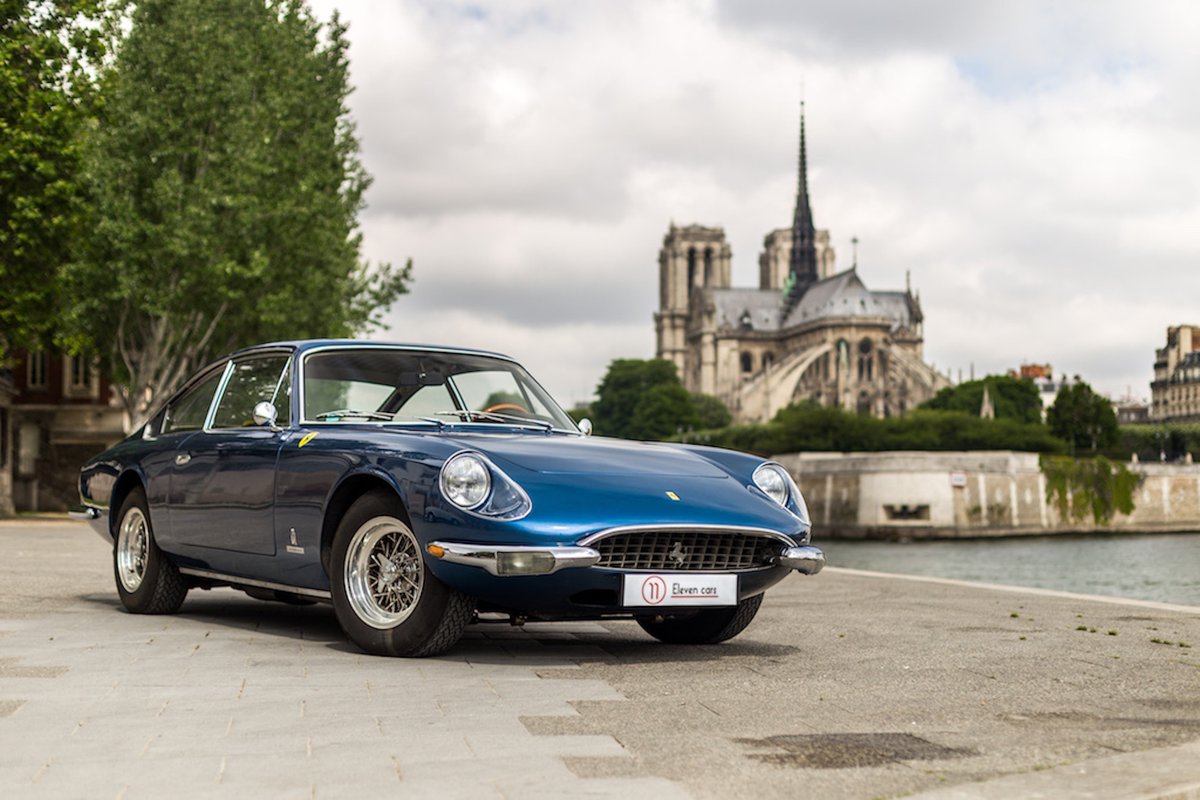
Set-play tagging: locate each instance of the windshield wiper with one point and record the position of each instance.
(471, 416)
(546, 426)
(351, 412)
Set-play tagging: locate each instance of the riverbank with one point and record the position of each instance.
(1154, 567)
(938, 495)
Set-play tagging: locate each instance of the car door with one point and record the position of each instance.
(182, 417)
(223, 478)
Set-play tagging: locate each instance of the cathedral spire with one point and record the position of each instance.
(803, 265)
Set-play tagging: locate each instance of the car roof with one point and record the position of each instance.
(304, 345)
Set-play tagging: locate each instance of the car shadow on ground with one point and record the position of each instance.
(233, 609)
(613, 641)
(483, 643)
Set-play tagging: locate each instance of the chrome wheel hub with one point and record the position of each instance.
(384, 573)
(133, 547)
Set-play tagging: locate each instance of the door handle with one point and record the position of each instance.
(183, 458)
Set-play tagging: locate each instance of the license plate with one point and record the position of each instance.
(673, 589)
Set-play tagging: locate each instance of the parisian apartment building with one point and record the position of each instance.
(1175, 392)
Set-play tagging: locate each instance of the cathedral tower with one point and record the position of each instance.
(693, 258)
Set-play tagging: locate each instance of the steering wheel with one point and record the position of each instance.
(506, 407)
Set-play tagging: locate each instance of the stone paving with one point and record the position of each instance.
(110, 704)
(848, 685)
(239, 695)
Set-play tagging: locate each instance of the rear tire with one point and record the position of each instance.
(709, 626)
(385, 598)
(147, 581)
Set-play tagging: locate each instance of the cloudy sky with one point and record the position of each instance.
(1032, 164)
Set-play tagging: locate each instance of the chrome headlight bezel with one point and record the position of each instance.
(773, 480)
(776, 483)
(465, 481)
(499, 498)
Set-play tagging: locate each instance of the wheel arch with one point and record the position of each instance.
(351, 488)
(126, 482)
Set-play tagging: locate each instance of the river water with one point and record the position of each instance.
(1161, 567)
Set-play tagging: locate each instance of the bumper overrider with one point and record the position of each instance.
(513, 560)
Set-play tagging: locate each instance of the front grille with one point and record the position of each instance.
(686, 550)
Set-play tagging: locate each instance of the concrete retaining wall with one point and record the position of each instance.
(901, 495)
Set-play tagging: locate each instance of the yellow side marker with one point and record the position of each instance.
(672, 495)
(435, 550)
(308, 438)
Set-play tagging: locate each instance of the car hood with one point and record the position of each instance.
(564, 455)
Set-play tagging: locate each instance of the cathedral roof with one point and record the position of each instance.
(845, 295)
(840, 296)
(748, 309)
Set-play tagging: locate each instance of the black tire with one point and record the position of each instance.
(709, 626)
(147, 581)
(413, 614)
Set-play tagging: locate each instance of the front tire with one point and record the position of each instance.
(147, 581)
(385, 598)
(709, 626)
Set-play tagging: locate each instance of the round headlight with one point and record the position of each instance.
(466, 480)
(773, 481)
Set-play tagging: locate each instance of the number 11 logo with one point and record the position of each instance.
(654, 590)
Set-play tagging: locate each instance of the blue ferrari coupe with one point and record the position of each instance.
(419, 489)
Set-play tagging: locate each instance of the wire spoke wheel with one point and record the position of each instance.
(384, 573)
(133, 545)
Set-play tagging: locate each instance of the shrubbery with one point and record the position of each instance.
(1150, 442)
(808, 427)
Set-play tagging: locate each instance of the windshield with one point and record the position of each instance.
(407, 386)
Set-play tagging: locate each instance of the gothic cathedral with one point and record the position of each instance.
(808, 332)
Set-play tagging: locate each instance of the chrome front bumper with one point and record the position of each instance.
(505, 560)
(806, 560)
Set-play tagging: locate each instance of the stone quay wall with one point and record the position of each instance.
(913, 495)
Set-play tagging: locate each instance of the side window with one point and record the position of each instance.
(253, 381)
(189, 411)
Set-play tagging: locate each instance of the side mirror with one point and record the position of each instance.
(265, 414)
(585, 426)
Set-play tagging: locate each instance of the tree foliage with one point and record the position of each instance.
(710, 411)
(1012, 398)
(1082, 418)
(48, 55)
(226, 183)
(811, 428)
(642, 399)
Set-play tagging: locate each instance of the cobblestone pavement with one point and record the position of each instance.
(847, 685)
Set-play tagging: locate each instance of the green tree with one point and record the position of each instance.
(642, 399)
(48, 55)
(1082, 418)
(1012, 398)
(663, 411)
(226, 183)
(710, 411)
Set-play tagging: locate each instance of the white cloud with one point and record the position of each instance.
(1031, 164)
